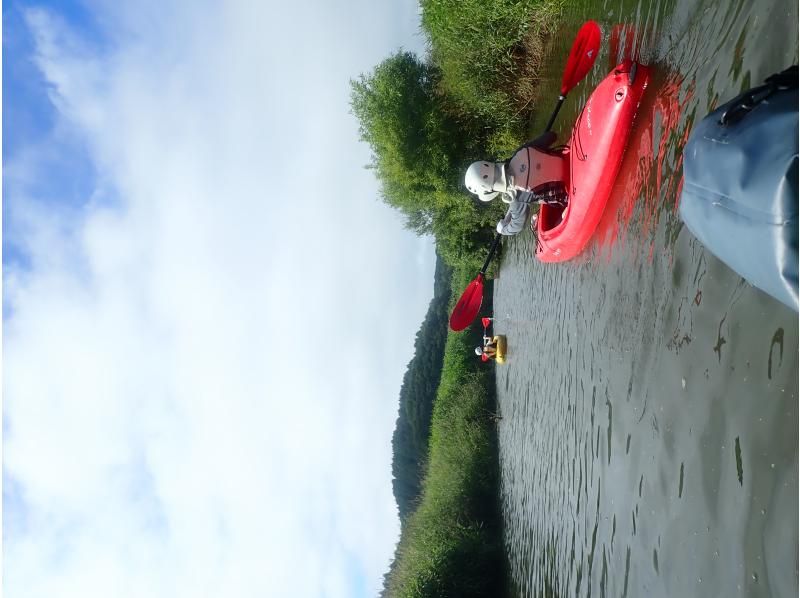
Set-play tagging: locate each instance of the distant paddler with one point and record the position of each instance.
(494, 347)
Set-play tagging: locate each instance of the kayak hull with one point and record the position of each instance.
(595, 152)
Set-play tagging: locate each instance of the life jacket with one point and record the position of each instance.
(531, 169)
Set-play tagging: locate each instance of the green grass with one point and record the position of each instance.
(452, 544)
(490, 53)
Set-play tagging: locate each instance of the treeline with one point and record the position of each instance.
(420, 382)
(421, 148)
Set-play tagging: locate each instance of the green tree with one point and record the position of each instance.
(416, 145)
(420, 150)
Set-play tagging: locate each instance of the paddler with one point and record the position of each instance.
(489, 351)
(532, 175)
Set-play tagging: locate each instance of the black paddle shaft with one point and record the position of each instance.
(492, 249)
(555, 113)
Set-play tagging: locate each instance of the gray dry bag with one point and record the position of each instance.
(740, 185)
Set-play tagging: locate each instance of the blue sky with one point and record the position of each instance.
(207, 309)
(29, 118)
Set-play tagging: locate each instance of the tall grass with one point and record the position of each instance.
(490, 53)
(452, 544)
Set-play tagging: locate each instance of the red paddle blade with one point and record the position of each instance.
(486, 322)
(468, 306)
(582, 56)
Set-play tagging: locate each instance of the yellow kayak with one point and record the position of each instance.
(500, 342)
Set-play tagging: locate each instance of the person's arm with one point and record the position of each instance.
(515, 218)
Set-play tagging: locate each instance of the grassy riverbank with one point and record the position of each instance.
(426, 119)
(490, 53)
(452, 543)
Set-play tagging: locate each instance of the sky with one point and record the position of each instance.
(207, 310)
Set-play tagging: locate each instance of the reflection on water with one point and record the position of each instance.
(649, 404)
(655, 156)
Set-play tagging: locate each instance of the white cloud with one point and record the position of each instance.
(202, 362)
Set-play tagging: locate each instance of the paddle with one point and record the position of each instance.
(581, 58)
(470, 303)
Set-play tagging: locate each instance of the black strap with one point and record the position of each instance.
(786, 79)
(742, 105)
(543, 142)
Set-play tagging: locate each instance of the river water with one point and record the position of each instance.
(649, 431)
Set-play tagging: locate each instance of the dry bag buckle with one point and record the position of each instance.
(744, 105)
(784, 80)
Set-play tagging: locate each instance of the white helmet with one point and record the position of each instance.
(482, 180)
(478, 351)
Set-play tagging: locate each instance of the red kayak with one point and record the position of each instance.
(595, 154)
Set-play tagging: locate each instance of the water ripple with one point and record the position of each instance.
(616, 345)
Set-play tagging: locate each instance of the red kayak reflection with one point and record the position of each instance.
(649, 179)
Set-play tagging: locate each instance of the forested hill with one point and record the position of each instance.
(421, 380)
